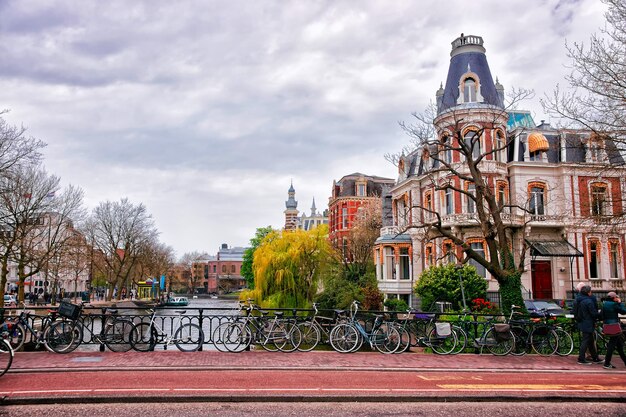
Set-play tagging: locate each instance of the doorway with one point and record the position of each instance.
(541, 275)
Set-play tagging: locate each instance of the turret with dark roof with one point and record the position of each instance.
(469, 78)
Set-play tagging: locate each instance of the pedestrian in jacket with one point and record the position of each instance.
(586, 316)
(611, 307)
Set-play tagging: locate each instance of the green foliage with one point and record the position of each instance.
(342, 287)
(394, 304)
(247, 270)
(441, 283)
(287, 268)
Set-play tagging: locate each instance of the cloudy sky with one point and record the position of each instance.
(206, 110)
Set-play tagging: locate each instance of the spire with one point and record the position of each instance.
(313, 208)
(291, 202)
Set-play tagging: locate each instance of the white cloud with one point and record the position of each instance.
(205, 111)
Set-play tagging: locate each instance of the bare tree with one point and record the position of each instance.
(186, 263)
(595, 98)
(36, 219)
(121, 231)
(16, 148)
(456, 162)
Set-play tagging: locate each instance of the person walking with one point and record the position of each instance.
(586, 316)
(611, 307)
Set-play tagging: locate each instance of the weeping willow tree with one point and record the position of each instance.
(288, 266)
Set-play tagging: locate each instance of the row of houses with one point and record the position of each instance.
(559, 193)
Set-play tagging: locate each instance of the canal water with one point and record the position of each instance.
(215, 311)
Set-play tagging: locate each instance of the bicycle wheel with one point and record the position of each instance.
(117, 335)
(219, 337)
(521, 341)
(311, 336)
(544, 340)
(405, 340)
(565, 345)
(461, 340)
(6, 356)
(189, 337)
(237, 337)
(270, 332)
(292, 338)
(143, 337)
(63, 336)
(441, 345)
(499, 345)
(344, 338)
(15, 334)
(386, 339)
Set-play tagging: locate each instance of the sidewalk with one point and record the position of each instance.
(320, 360)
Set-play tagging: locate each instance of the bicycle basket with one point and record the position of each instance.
(69, 310)
(443, 329)
(503, 332)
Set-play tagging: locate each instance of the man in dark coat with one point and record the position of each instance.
(586, 316)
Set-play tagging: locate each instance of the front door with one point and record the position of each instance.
(541, 273)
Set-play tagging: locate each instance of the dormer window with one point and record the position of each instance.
(361, 187)
(469, 90)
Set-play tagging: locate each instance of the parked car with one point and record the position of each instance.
(537, 308)
(10, 300)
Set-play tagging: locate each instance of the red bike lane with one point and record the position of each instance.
(248, 376)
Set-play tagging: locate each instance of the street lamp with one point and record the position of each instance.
(459, 269)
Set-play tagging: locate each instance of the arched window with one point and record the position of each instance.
(472, 141)
(428, 205)
(478, 246)
(502, 193)
(449, 200)
(469, 90)
(429, 255)
(537, 198)
(448, 252)
(498, 145)
(446, 148)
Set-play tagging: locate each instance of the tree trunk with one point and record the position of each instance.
(510, 291)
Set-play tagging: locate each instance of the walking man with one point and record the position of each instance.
(586, 316)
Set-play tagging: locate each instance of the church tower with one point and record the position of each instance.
(291, 210)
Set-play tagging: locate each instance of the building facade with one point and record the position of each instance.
(308, 222)
(557, 192)
(220, 274)
(348, 197)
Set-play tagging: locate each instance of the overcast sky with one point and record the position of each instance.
(206, 110)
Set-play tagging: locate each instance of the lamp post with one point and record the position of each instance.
(459, 269)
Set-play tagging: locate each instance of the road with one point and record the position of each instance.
(304, 409)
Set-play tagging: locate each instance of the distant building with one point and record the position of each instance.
(349, 194)
(313, 220)
(291, 210)
(221, 273)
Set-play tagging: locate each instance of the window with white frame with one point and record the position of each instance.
(472, 141)
(405, 262)
(479, 248)
(390, 263)
(447, 149)
(449, 201)
(499, 144)
(344, 218)
(469, 90)
(537, 200)
(471, 191)
(598, 200)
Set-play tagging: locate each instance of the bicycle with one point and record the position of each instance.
(6, 354)
(350, 336)
(273, 334)
(17, 328)
(144, 336)
(496, 337)
(532, 334)
(114, 332)
(315, 328)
